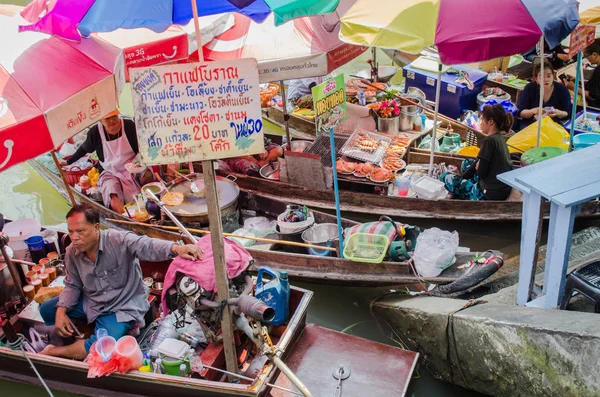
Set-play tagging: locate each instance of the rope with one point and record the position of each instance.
(18, 345)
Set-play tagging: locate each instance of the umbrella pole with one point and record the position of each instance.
(574, 108)
(580, 72)
(216, 236)
(286, 116)
(64, 179)
(541, 104)
(336, 192)
(435, 117)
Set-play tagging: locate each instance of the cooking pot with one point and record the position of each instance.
(323, 235)
(194, 209)
(409, 116)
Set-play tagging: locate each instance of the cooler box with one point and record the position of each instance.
(454, 97)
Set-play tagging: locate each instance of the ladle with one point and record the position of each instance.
(193, 187)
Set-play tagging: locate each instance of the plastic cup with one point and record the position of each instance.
(45, 279)
(128, 347)
(105, 347)
(402, 186)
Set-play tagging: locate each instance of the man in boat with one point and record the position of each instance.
(115, 142)
(104, 280)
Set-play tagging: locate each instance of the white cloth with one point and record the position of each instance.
(300, 87)
(115, 179)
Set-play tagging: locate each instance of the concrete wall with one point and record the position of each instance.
(499, 349)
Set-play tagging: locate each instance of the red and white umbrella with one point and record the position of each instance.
(51, 89)
(303, 47)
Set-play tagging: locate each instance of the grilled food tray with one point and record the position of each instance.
(352, 149)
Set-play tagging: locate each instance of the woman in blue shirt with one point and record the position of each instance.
(556, 96)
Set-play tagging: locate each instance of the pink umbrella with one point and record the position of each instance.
(51, 89)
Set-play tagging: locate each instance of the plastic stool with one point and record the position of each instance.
(585, 280)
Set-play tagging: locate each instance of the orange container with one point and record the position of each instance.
(51, 272)
(37, 284)
(44, 262)
(38, 269)
(52, 256)
(30, 276)
(29, 291)
(45, 279)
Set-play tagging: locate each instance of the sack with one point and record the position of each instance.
(435, 251)
(552, 134)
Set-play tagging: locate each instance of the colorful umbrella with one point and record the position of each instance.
(464, 31)
(590, 15)
(69, 18)
(304, 47)
(42, 101)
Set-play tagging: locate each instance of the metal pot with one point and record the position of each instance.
(409, 116)
(300, 146)
(387, 125)
(324, 235)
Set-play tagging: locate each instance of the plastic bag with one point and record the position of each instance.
(243, 242)
(435, 251)
(98, 367)
(260, 226)
(552, 134)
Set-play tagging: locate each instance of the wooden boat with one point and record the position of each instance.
(310, 351)
(331, 270)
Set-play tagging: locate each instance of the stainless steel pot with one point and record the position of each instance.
(409, 116)
(387, 125)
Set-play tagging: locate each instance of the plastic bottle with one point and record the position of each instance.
(275, 293)
(158, 366)
(362, 100)
(182, 370)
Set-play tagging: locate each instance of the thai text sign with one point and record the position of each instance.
(197, 111)
(329, 99)
(581, 37)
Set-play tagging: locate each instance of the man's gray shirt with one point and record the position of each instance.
(113, 284)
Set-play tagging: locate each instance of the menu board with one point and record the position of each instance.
(197, 111)
(329, 99)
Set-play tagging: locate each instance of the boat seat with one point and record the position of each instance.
(586, 281)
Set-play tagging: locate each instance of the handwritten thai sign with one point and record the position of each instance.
(197, 111)
(329, 99)
(581, 37)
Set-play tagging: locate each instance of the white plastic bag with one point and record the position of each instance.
(243, 242)
(435, 251)
(260, 226)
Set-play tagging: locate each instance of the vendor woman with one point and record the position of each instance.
(115, 143)
(251, 165)
(556, 96)
(479, 180)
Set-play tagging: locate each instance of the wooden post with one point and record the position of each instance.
(64, 179)
(216, 237)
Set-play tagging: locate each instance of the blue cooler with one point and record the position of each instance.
(454, 97)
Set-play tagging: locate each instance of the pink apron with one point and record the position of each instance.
(115, 179)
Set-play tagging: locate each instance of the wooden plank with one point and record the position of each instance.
(557, 258)
(578, 196)
(530, 230)
(220, 263)
(573, 170)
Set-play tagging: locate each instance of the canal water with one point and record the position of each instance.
(25, 194)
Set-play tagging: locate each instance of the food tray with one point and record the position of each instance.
(352, 150)
(579, 128)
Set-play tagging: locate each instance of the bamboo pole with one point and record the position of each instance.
(64, 179)
(200, 231)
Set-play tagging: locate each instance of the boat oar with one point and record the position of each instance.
(199, 231)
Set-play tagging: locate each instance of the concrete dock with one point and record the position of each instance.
(495, 347)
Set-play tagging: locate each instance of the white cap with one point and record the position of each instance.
(182, 367)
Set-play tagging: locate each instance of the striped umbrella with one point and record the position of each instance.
(72, 19)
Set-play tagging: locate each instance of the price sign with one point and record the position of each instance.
(581, 37)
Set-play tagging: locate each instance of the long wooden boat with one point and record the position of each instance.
(310, 351)
(330, 270)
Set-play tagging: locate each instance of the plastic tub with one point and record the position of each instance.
(366, 247)
(324, 235)
(292, 227)
(295, 236)
(128, 347)
(428, 188)
(582, 141)
(18, 231)
(172, 365)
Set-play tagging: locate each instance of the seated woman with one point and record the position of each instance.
(250, 165)
(478, 181)
(592, 87)
(556, 95)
